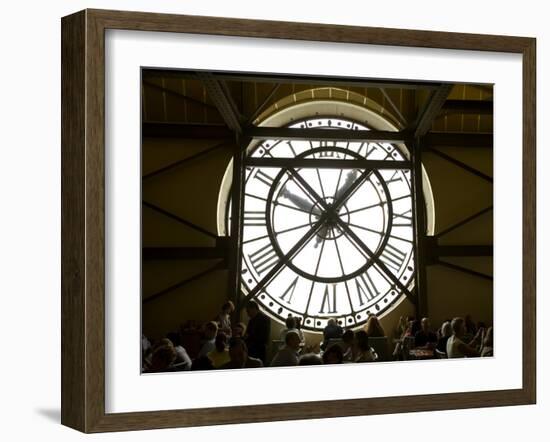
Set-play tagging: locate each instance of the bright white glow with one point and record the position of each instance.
(338, 273)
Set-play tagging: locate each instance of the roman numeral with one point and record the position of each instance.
(254, 218)
(393, 257)
(365, 287)
(369, 148)
(331, 308)
(289, 291)
(291, 147)
(263, 259)
(393, 179)
(264, 178)
(403, 218)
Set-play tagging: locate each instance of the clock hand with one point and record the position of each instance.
(306, 205)
(301, 203)
(350, 178)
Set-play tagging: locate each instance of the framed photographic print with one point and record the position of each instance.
(271, 220)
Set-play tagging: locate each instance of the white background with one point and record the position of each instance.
(30, 221)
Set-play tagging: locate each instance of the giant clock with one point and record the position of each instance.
(327, 241)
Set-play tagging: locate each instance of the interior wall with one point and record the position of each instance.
(191, 191)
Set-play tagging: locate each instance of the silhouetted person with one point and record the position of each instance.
(288, 355)
(258, 331)
(333, 355)
(456, 347)
(238, 330)
(363, 352)
(373, 328)
(239, 357)
(162, 358)
(220, 355)
(446, 332)
(347, 345)
(224, 317)
(209, 344)
(487, 343)
(310, 359)
(425, 337)
(182, 357)
(331, 331)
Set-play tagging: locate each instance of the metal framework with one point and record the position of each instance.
(321, 163)
(291, 134)
(150, 129)
(416, 136)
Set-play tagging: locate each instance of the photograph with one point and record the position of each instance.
(293, 220)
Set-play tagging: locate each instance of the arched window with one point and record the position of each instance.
(327, 221)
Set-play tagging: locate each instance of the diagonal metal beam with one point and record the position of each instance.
(218, 266)
(464, 270)
(462, 165)
(183, 161)
(220, 95)
(178, 95)
(261, 107)
(298, 246)
(431, 110)
(179, 219)
(402, 119)
(464, 221)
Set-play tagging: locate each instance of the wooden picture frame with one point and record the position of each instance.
(83, 220)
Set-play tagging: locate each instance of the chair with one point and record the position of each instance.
(440, 354)
(380, 346)
(408, 344)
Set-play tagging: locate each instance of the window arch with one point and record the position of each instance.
(359, 261)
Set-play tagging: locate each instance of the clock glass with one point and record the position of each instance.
(331, 238)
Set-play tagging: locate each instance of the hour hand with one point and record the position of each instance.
(301, 203)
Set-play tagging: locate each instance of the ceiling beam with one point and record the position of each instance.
(476, 107)
(456, 139)
(462, 250)
(323, 163)
(318, 81)
(185, 253)
(431, 110)
(219, 93)
(285, 133)
(185, 131)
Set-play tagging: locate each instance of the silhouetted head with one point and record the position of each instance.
(238, 352)
(333, 355)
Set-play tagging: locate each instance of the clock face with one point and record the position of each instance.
(327, 242)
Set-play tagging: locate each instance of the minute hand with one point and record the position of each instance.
(343, 194)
